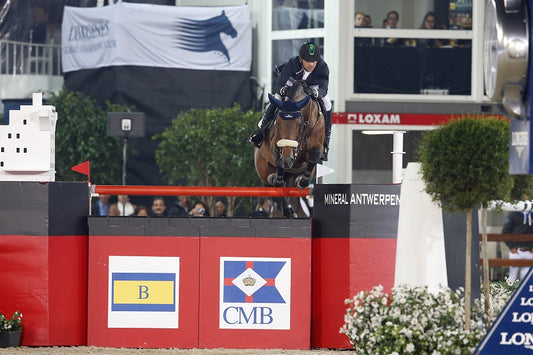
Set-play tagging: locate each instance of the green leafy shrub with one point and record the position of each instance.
(465, 163)
(208, 147)
(81, 135)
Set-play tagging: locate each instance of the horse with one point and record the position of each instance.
(204, 35)
(293, 144)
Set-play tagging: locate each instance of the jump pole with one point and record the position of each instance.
(137, 190)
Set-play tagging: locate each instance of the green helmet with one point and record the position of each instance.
(309, 52)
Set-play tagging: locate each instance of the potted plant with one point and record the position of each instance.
(10, 329)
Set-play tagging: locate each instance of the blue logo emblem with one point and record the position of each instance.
(252, 281)
(204, 35)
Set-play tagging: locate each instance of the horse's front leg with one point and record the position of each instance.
(302, 181)
(276, 179)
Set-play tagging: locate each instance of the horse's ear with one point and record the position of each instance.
(275, 101)
(303, 102)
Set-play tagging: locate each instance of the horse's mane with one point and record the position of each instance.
(296, 91)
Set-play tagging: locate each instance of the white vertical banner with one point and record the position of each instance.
(202, 38)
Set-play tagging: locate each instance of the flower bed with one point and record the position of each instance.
(415, 320)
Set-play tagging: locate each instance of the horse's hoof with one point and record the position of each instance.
(301, 182)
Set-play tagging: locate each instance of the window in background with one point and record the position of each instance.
(297, 14)
(435, 67)
(438, 63)
(372, 158)
(451, 14)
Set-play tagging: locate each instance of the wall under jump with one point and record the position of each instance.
(147, 282)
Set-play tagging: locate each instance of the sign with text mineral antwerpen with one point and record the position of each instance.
(512, 331)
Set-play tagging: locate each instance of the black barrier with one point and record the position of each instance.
(43, 251)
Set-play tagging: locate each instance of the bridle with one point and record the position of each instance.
(301, 141)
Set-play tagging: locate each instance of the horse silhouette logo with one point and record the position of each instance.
(204, 35)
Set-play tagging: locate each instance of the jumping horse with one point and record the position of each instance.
(293, 143)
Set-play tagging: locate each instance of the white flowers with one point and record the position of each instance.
(415, 320)
(10, 324)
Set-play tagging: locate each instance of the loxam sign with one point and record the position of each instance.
(392, 118)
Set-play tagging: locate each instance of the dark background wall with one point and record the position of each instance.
(161, 93)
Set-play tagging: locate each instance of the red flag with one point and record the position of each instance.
(83, 168)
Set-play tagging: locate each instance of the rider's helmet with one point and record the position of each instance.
(309, 52)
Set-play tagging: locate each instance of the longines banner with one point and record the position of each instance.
(203, 38)
(511, 332)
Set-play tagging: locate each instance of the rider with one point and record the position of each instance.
(309, 66)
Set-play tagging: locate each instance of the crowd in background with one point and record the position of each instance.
(183, 206)
(429, 22)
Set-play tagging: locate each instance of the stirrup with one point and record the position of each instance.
(324, 156)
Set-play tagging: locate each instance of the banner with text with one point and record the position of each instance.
(203, 38)
(511, 332)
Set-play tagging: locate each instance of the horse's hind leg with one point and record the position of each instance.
(302, 181)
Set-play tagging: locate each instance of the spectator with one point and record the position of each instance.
(220, 208)
(180, 208)
(159, 208)
(124, 206)
(199, 210)
(390, 22)
(38, 25)
(392, 19)
(263, 208)
(429, 23)
(141, 211)
(101, 206)
(359, 19)
(113, 210)
(519, 222)
(367, 22)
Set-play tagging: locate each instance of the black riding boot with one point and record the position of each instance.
(257, 137)
(326, 137)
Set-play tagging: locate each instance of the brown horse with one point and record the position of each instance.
(293, 144)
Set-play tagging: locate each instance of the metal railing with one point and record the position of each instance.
(23, 58)
(508, 237)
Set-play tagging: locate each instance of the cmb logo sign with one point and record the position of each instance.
(255, 293)
(512, 332)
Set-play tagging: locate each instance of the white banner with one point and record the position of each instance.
(203, 38)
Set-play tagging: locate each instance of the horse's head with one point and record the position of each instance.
(288, 127)
(204, 35)
(225, 25)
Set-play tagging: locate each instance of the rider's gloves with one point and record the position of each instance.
(311, 91)
(283, 90)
